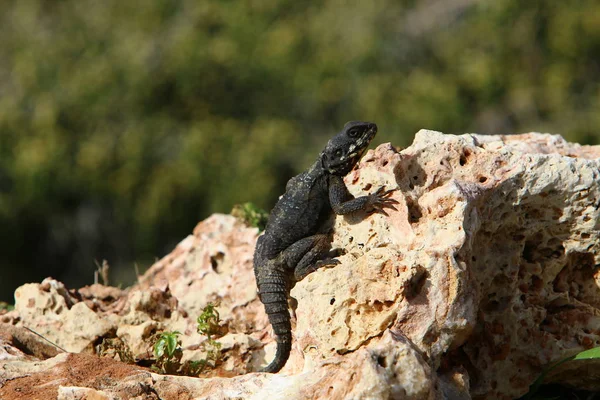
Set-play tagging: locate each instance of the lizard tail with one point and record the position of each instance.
(274, 297)
(284, 346)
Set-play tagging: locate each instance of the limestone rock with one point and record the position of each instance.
(51, 311)
(16, 339)
(75, 376)
(485, 273)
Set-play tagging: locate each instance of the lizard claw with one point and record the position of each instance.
(328, 262)
(381, 192)
(336, 252)
(381, 199)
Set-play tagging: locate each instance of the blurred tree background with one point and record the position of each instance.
(124, 123)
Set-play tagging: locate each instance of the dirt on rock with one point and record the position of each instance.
(80, 370)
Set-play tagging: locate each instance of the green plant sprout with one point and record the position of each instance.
(167, 352)
(589, 354)
(251, 215)
(208, 321)
(208, 324)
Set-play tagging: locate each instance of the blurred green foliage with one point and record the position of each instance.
(251, 215)
(124, 123)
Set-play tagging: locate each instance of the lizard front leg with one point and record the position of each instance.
(342, 202)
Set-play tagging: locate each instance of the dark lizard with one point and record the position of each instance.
(291, 246)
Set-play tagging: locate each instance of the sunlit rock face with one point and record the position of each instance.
(483, 275)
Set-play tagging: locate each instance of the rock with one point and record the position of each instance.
(81, 393)
(137, 337)
(484, 274)
(102, 298)
(18, 342)
(75, 376)
(52, 312)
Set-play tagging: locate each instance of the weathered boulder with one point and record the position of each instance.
(485, 273)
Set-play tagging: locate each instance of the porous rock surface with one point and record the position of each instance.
(484, 274)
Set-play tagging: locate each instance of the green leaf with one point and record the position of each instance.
(168, 341)
(172, 344)
(159, 349)
(584, 355)
(588, 354)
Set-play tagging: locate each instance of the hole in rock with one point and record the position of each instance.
(416, 283)
(482, 179)
(382, 361)
(491, 306)
(529, 251)
(414, 211)
(536, 282)
(332, 301)
(216, 260)
(464, 157)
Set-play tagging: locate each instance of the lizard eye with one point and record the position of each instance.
(353, 132)
(338, 153)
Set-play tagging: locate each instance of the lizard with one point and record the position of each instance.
(291, 246)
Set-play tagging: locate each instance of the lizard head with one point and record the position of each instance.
(347, 147)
